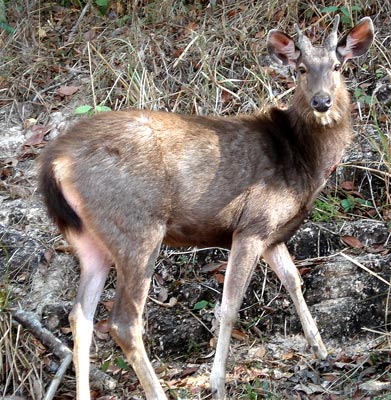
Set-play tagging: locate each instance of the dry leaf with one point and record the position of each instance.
(226, 97)
(219, 278)
(211, 267)
(352, 241)
(102, 326)
(119, 9)
(232, 13)
(347, 185)
(304, 271)
(260, 353)
(190, 27)
(288, 356)
(29, 122)
(48, 255)
(309, 388)
(239, 335)
(376, 248)
(357, 194)
(177, 52)
(19, 191)
(38, 133)
(67, 90)
(159, 279)
(63, 248)
(6, 173)
(213, 343)
(89, 35)
(38, 346)
(387, 215)
(188, 371)
(330, 377)
(260, 35)
(34, 139)
(163, 295)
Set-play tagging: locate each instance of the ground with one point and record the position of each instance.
(61, 59)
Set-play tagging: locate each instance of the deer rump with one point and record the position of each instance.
(120, 183)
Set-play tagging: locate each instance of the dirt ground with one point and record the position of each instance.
(58, 59)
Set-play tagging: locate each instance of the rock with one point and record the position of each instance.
(181, 329)
(369, 232)
(315, 240)
(375, 387)
(383, 92)
(11, 139)
(322, 239)
(19, 255)
(173, 331)
(344, 298)
(55, 316)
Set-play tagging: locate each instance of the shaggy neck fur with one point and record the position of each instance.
(323, 135)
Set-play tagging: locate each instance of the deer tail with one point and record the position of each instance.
(58, 208)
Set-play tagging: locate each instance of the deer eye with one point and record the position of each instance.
(337, 67)
(302, 69)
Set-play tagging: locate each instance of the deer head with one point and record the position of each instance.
(320, 85)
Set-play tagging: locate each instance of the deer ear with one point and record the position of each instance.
(282, 48)
(357, 41)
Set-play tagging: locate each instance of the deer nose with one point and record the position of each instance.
(321, 102)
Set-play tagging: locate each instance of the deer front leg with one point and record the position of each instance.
(244, 255)
(281, 263)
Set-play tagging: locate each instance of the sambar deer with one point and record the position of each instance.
(121, 183)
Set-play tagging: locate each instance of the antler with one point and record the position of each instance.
(303, 43)
(331, 41)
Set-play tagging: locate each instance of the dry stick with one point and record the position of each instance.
(78, 22)
(58, 377)
(54, 86)
(182, 55)
(29, 321)
(91, 75)
(374, 170)
(70, 39)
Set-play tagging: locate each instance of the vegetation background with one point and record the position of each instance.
(63, 58)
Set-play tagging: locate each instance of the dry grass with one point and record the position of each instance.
(22, 366)
(188, 57)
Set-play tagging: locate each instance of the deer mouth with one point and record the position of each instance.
(323, 118)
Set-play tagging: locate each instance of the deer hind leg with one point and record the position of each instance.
(281, 263)
(94, 267)
(134, 271)
(244, 255)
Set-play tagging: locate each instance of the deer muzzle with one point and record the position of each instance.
(321, 102)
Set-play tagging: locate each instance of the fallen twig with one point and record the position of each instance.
(58, 377)
(78, 22)
(28, 320)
